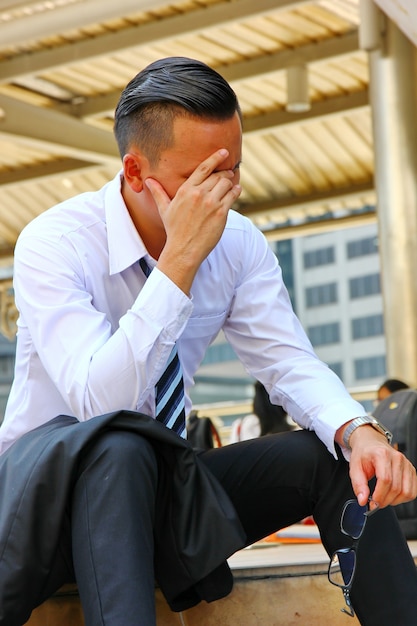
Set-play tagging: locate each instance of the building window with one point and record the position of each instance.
(362, 247)
(324, 334)
(370, 367)
(322, 256)
(363, 286)
(370, 326)
(321, 294)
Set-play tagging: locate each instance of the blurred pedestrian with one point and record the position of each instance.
(266, 418)
(389, 386)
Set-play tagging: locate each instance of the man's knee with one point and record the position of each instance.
(121, 451)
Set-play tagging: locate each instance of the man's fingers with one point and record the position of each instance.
(158, 192)
(362, 492)
(207, 167)
(225, 191)
(234, 193)
(396, 479)
(407, 490)
(359, 482)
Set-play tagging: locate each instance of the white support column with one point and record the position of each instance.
(393, 96)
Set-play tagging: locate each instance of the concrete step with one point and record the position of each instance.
(275, 585)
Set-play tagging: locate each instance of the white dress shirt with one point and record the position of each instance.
(94, 335)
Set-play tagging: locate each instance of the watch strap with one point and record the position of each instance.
(365, 420)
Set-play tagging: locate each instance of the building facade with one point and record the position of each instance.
(334, 283)
(339, 302)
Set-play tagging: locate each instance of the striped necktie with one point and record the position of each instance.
(169, 390)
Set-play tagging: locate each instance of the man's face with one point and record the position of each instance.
(194, 141)
(383, 393)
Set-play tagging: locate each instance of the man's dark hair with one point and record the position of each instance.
(164, 90)
(394, 384)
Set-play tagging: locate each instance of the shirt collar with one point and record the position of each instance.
(125, 245)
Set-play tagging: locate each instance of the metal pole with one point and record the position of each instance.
(393, 95)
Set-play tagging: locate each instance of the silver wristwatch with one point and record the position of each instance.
(363, 421)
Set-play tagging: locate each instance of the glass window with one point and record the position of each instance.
(370, 326)
(321, 294)
(322, 256)
(324, 334)
(370, 367)
(363, 286)
(362, 247)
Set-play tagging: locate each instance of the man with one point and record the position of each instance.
(97, 328)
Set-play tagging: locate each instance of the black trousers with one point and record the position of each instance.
(273, 481)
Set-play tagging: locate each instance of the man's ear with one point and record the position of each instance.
(133, 171)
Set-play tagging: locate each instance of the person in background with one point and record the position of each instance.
(389, 386)
(120, 293)
(266, 418)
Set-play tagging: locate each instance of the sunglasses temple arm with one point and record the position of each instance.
(349, 610)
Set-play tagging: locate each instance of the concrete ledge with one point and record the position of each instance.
(275, 585)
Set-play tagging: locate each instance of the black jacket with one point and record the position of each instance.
(196, 525)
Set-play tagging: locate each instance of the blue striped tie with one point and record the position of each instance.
(169, 400)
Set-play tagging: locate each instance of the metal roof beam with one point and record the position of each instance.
(303, 203)
(136, 36)
(70, 136)
(403, 14)
(302, 55)
(44, 170)
(46, 23)
(333, 106)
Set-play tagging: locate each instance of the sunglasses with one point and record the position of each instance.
(342, 564)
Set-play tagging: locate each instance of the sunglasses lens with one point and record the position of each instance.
(342, 567)
(353, 519)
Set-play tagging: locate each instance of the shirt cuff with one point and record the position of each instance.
(327, 426)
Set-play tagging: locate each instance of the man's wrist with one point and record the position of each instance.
(365, 420)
